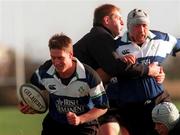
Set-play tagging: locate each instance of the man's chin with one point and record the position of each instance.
(141, 41)
(60, 70)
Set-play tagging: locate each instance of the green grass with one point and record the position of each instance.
(13, 122)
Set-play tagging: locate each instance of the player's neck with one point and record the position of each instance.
(69, 71)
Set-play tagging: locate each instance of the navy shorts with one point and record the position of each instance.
(52, 127)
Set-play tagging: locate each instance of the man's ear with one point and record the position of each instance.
(71, 54)
(106, 19)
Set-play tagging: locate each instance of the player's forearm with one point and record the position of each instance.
(91, 115)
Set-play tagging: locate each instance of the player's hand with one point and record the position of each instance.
(129, 59)
(154, 70)
(26, 109)
(161, 76)
(72, 118)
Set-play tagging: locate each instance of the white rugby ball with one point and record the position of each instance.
(31, 95)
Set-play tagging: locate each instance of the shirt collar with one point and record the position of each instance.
(80, 70)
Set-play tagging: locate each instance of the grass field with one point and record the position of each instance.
(13, 122)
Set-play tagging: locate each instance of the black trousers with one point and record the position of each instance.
(52, 127)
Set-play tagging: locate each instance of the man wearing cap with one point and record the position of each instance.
(166, 118)
(137, 96)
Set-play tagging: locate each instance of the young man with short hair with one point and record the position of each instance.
(77, 97)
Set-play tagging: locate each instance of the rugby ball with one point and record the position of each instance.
(32, 95)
